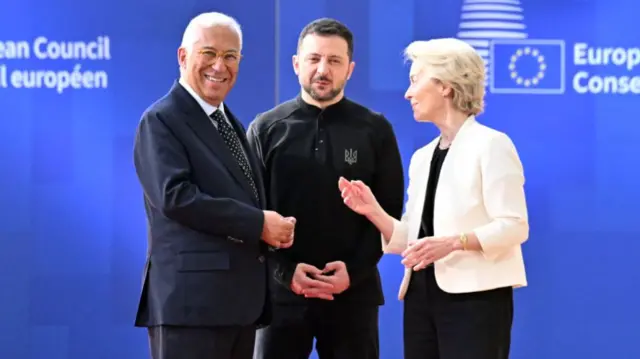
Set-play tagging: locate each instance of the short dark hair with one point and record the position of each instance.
(328, 27)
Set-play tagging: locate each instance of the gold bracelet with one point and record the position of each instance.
(463, 240)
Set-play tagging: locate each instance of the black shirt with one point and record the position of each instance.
(426, 229)
(304, 150)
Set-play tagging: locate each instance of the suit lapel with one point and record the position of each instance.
(455, 157)
(201, 124)
(456, 149)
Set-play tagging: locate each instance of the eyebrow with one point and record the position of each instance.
(330, 56)
(214, 49)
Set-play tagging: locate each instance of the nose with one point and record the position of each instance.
(322, 67)
(218, 65)
(408, 94)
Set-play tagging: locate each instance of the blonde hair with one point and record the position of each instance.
(456, 63)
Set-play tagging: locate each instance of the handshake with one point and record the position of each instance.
(277, 231)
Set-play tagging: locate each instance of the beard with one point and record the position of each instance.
(325, 95)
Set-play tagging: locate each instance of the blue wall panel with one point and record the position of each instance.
(72, 226)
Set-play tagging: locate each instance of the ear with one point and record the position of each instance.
(296, 64)
(446, 90)
(352, 65)
(182, 57)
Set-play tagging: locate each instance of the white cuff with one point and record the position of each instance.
(399, 239)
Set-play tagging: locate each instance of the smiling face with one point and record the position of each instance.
(210, 66)
(323, 66)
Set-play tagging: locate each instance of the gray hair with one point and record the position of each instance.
(207, 21)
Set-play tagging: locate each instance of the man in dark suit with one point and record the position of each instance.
(205, 280)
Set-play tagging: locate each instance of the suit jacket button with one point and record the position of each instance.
(261, 259)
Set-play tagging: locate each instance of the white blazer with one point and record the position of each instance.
(481, 189)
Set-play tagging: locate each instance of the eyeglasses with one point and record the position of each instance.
(230, 58)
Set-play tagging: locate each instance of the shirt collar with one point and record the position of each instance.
(335, 108)
(206, 107)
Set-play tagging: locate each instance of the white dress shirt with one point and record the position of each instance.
(208, 108)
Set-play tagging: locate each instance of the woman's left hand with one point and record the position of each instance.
(428, 250)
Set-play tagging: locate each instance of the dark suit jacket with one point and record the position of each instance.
(206, 261)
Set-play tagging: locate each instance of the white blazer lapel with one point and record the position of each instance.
(419, 180)
(458, 155)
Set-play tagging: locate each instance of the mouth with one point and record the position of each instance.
(215, 79)
(323, 83)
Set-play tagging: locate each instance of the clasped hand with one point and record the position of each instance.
(427, 250)
(313, 282)
(277, 230)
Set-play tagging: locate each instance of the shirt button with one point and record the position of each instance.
(261, 259)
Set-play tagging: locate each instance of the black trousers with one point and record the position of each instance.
(439, 325)
(168, 342)
(341, 332)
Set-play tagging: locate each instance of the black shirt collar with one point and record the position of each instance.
(335, 108)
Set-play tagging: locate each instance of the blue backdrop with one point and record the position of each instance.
(72, 227)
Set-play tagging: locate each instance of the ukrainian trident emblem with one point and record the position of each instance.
(350, 156)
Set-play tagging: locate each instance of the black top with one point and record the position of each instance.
(304, 151)
(426, 229)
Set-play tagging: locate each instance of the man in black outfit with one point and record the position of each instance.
(205, 281)
(327, 285)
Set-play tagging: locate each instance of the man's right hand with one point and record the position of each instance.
(303, 283)
(277, 231)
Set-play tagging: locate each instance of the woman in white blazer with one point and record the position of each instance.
(465, 218)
